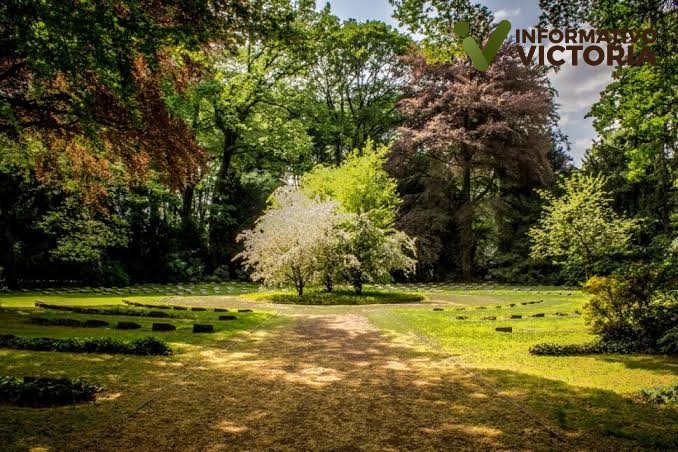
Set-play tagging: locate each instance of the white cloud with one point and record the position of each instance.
(506, 13)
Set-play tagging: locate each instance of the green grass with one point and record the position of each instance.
(584, 387)
(143, 294)
(337, 297)
(16, 321)
(587, 396)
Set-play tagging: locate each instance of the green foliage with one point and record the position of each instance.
(105, 311)
(360, 185)
(370, 253)
(660, 396)
(580, 229)
(68, 322)
(340, 297)
(39, 392)
(142, 346)
(669, 342)
(633, 308)
(436, 19)
(81, 236)
(354, 80)
(592, 348)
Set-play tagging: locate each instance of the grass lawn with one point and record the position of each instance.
(592, 392)
(432, 381)
(127, 380)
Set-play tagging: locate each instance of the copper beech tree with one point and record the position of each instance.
(465, 133)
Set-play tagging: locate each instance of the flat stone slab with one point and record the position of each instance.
(163, 327)
(198, 328)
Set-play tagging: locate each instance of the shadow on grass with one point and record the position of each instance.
(336, 383)
(657, 363)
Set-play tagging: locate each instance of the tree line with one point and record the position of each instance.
(138, 141)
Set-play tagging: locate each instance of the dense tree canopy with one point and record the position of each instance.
(465, 134)
(138, 139)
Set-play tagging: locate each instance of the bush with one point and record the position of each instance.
(634, 308)
(145, 346)
(669, 342)
(127, 326)
(591, 348)
(68, 322)
(660, 396)
(29, 391)
(107, 311)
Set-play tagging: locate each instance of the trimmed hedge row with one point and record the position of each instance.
(145, 346)
(109, 311)
(68, 322)
(38, 392)
(591, 348)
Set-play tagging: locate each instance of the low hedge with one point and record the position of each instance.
(591, 348)
(108, 311)
(68, 322)
(39, 392)
(145, 346)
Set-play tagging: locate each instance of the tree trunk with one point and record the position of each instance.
(327, 281)
(10, 272)
(466, 225)
(187, 205)
(358, 285)
(219, 197)
(298, 281)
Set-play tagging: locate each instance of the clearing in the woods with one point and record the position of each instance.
(388, 377)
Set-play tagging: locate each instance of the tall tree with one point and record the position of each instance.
(580, 228)
(354, 81)
(465, 132)
(243, 117)
(93, 70)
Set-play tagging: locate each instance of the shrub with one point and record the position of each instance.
(107, 311)
(660, 396)
(68, 322)
(146, 346)
(339, 297)
(29, 391)
(633, 307)
(591, 348)
(669, 342)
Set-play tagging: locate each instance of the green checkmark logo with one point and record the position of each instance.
(481, 58)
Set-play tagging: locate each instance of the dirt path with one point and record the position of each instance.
(319, 382)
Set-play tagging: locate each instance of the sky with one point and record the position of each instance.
(578, 86)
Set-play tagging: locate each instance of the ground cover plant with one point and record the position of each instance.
(40, 392)
(338, 297)
(144, 346)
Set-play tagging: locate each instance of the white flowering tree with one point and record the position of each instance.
(286, 243)
(371, 253)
